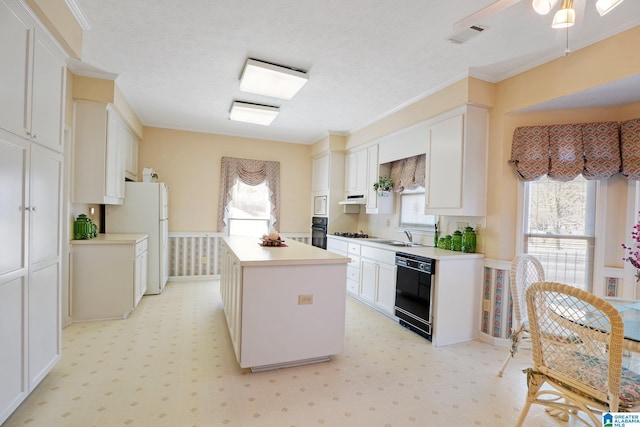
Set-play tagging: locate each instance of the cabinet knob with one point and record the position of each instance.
(32, 135)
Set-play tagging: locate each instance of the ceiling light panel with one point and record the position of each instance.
(253, 113)
(272, 80)
(605, 6)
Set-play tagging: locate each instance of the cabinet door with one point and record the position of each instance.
(444, 164)
(45, 202)
(372, 174)
(16, 34)
(350, 172)
(44, 262)
(320, 173)
(362, 170)
(386, 294)
(47, 94)
(14, 158)
(114, 166)
(13, 379)
(368, 280)
(140, 280)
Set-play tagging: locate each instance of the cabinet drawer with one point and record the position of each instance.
(336, 246)
(353, 274)
(354, 249)
(381, 255)
(141, 247)
(352, 286)
(355, 261)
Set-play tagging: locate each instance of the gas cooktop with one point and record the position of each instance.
(351, 235)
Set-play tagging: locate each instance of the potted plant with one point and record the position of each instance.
(384, 184)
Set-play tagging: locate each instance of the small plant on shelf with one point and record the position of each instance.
(384, 184)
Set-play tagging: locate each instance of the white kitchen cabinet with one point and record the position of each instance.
(352, 251)
(356, 173)
(31, 105)
(378, 278)
(100, 152)
(30, 267)
(108, 276)
(131, 148)
(456, 163)
(320, 172)
(377, 203)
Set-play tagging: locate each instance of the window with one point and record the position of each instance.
(412, 210)
(249, 210)
(559, 228)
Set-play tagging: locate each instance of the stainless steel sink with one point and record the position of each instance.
(400, 243)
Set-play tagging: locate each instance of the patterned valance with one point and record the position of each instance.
(595, 150)
(250, 172)
(408, 173)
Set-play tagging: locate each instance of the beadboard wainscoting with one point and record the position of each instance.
(197, 254)
(497, 305)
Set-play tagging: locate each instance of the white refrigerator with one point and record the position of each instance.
(145, 210)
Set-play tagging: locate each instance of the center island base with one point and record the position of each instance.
(284, 306)
(290, 364)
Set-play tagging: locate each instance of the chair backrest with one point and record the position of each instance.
(525, 270)
(577, 339)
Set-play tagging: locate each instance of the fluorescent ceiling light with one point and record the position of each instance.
(605, 6)
(253, 113)
(272, 80)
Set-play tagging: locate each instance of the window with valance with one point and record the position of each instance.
(252, 173)
(562, 152)
(408, 173)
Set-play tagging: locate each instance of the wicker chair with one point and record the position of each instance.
(577, 341)
(525, 270)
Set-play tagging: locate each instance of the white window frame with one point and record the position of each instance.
(427, 226)
(595, 203)
(268, 221)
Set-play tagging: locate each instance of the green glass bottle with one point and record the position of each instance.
(469, 240)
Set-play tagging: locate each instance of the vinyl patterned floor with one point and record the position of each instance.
(171, 364)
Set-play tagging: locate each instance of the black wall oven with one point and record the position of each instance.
(319, 231)
(414, 292)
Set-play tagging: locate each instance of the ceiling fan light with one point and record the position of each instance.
(605, 6)
(542, 7)
(566, 16)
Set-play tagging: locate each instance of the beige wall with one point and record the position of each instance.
(189, 162)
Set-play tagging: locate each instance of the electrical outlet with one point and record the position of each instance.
(305, 299)
(461, 225)
(203, 260)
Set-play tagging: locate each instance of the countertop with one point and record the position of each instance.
(250, 253)
(112, 239)
(425, 251)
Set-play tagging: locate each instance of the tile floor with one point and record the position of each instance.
(171, 364)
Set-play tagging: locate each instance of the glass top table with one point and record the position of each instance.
(630, 312)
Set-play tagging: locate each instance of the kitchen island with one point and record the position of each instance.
(285, 306)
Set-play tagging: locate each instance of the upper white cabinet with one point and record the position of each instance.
(101, 144)
(356, 173)
(320, 170)
(457, 163)
(131, 148)
(31, 103)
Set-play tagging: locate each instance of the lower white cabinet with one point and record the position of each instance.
(378, 278)
(108, 276)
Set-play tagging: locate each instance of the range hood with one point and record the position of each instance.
(354, 200)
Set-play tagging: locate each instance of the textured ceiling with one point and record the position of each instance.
(178, 62)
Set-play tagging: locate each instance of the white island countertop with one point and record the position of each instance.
(250, 253)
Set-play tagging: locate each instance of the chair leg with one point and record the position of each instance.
(505, 363)
(524, 413)
(515, 341)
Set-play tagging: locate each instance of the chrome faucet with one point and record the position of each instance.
(409, 236)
